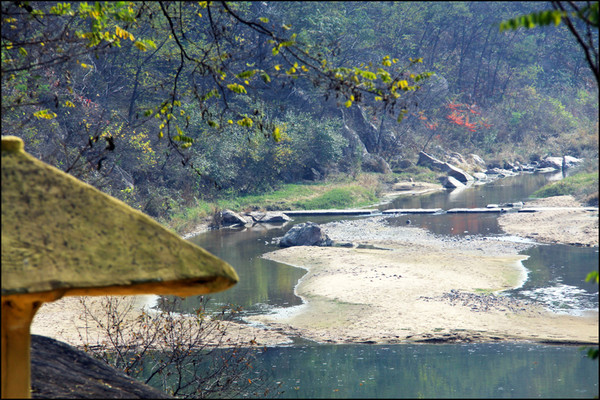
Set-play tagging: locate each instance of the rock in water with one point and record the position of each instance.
(306, 234)
(229, 218)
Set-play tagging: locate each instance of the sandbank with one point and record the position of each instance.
(417, 287)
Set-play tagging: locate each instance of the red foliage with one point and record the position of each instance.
(459, 116)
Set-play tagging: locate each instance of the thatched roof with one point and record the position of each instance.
(60, 234)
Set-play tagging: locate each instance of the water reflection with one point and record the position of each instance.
(431, 371)
(263, 283)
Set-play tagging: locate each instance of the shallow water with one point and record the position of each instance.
(553, 269)
(431, 371)
(556, 276)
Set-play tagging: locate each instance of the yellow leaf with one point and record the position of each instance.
(277, 134)
(348, 103)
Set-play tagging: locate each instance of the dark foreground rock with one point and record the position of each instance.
(59, 371)
(306, 234)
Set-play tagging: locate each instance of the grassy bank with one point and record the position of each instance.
(583, 186)
(338, 192)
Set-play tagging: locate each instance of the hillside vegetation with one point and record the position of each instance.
(180, 111)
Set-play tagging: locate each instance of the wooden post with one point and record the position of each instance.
(16, 341)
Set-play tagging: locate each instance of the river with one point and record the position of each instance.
(309, 370)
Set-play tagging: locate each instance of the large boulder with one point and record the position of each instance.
(475, 159)
(305, 234)
(230, 218)
(269, 217)
(452, 183)
(551, 162)
(375, 163)
(429, 161)
(569, 161)
(480, 176)
(458, 173)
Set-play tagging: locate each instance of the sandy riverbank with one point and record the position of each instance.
(575, 227)
(421, 288)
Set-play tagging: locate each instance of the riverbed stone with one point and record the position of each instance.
(475, 159)
(231, 218)
(268, 217)
(459, 174)
(305, 234)
(569, 161)
(551, 162)
(431, 162)
(480, 176)
(451, 182)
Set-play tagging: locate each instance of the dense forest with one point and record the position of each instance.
(163, 104)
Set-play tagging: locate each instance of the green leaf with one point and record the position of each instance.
(265, 77)
(592, 276)
(140, 46)
(237, 88)
(264, 20)
(44, 114)
(246, 74)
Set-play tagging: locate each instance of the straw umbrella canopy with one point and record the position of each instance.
(62, 237)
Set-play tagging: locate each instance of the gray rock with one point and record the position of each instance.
(306, 234)
(375, 163)
(551, 162)
(427, 160)
(480, 176)
(452, 183)
(477, 160)
(459, 174)
(500, 172)
(269, 217)
(569, 161)
(229, 218)
(433, 163)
